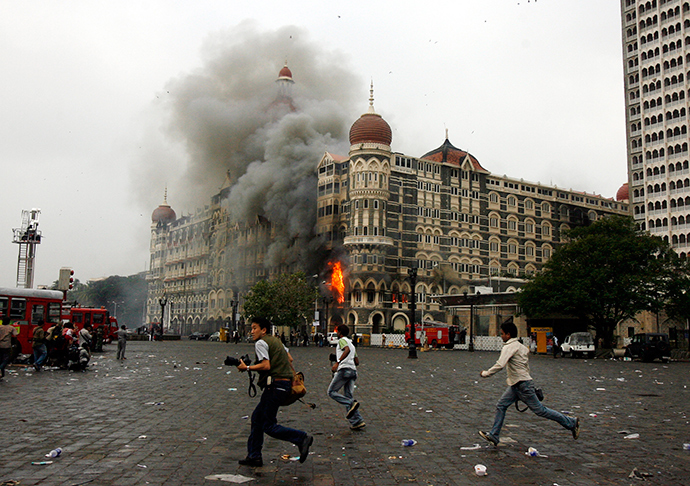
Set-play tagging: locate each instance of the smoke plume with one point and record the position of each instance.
(224, 117)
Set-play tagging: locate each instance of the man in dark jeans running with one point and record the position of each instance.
(515, 358)
(273, 362)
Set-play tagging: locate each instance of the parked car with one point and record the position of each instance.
(215, 336)
(332, 338)
(198, 336)
(649, 346)
(578, 344)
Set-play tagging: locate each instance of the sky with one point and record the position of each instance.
(100, 102)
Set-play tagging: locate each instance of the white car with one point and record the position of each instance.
(578, 343)
(332, 338)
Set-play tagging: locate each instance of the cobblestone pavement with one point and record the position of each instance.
(172, 414)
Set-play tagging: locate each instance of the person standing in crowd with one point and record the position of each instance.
(38, 344)
(556, 346)
(345, 375)
(274, 365)
(121, 342)
(6, 334)
(515, 359)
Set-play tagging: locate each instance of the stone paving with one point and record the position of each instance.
(172, 414)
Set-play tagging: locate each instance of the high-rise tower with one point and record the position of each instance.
(656, 53)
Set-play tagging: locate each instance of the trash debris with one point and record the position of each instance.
(686, 447)
(229, 478)
(409, 442)
(532, 452)
(601, 389)
(624, 432)
(142, 437)
(635, 474)
(473, 448)
(142, 466)
(286, 457)
(10, 482)
(232, 389)
(41, 463)
(632, 436)
(480, 470)
(54, 453)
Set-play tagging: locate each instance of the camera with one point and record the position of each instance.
(232, 361)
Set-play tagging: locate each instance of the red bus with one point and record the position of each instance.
(437, 334)
(79, 316)
(25, 309)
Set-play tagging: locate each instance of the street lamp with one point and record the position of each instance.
(327, 301)
(162, 301)
(413, 310)
(115, 309)
(472, 299)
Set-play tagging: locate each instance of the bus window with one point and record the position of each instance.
(98, 318)
(87, 318)
(38, 313)
(53, 312)
(18, 308)
(4, 303)
(77, 317)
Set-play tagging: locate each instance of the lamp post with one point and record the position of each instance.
(115, 309)
(472, 299)
(413, 310)
(327, 301)
(163, 302)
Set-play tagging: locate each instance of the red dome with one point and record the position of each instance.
(285, 73)
(163, 214)
(371, 128)
(623, 193)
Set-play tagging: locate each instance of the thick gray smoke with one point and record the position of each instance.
(224, 115)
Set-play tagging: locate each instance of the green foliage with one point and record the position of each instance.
(287, 300)
(606, 273)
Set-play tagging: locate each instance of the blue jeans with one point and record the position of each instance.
(345, 379)
(5, 358)
(264, 420)
(524, 391)
(40, 354)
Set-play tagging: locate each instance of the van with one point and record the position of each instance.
(578, 344)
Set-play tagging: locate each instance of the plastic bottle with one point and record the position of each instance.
(409, 442)
(54, 453)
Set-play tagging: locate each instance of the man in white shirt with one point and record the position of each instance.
(345, 369)
(515, 359)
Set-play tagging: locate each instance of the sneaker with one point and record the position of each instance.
(251, 462)
(576, 430)
(304, 447)
(353, 409)
(489, 437)
(358, 426)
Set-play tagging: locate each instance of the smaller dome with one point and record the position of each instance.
(623, 193)
(285, 73)
(449, 154)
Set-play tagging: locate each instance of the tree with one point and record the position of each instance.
(285, 301)
(607, 272)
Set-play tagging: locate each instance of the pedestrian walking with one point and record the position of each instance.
(7, 332)
(556, 347)
(38, 345)
(121, 342)
(274, 364)
(345, 375)
(515, 359)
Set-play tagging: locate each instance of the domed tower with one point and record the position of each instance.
(163, 214)
(369, 176)
(623, 194)
(283, 103)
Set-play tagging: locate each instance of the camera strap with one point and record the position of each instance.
(252, 387)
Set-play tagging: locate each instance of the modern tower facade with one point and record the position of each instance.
(656, 53)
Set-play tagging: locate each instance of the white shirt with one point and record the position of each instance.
(349, 361)
(515, 359)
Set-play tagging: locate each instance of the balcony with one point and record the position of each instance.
(369, 240)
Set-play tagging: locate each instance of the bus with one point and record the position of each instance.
(25, 309)
(437, 334)
(97, 317)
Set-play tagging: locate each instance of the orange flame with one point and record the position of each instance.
(337, 282)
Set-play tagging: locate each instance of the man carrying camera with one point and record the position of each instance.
(515, 359)
(273, 363)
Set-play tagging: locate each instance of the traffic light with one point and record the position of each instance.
(66, 279)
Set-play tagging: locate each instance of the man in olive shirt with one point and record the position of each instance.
(273, 362)
(39, 346)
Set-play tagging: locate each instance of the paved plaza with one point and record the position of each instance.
(172, 414)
